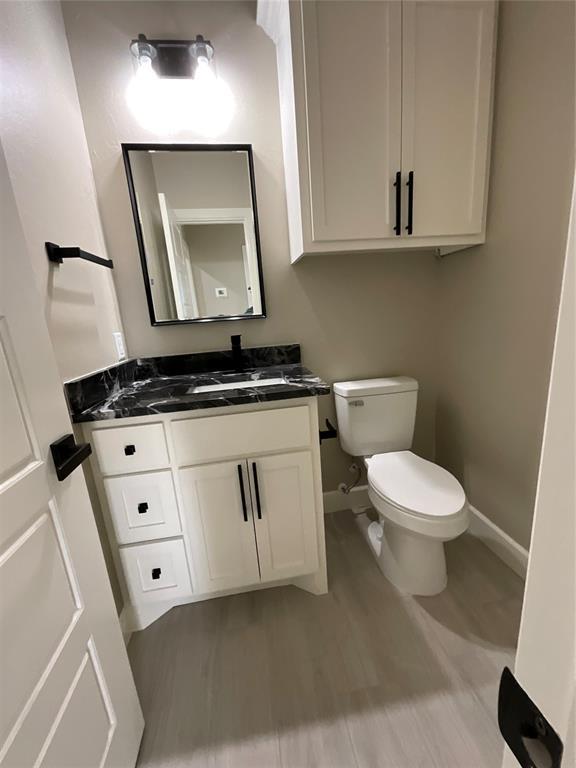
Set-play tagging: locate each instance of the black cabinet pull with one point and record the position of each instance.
(410, 185)
(257, 490)
(142, 507)
(398, 187)
(242, 494)
(156, 573)
(129, 450)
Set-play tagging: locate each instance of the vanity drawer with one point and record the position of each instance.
(216, 438)
(143, 507)
(156, 571)
(131, 449)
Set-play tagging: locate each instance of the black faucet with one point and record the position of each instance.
(237, 361)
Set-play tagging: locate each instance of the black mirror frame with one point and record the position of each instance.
(126, 149)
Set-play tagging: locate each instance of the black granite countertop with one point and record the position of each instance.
(169, 384)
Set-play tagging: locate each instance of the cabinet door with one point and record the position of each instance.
(284, 514)
(352, 64)
(448, 59)
(219, 525)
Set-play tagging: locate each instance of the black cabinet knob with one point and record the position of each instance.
(156, 573)
(142, 507)
(129, 450)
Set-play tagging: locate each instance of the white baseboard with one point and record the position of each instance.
(503, 545)
(334, 501)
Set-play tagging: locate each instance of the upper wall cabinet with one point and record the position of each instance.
(386, 121)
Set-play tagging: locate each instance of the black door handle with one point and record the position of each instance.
(410, 185)
(531, 738)
(156, 573)
(398, 187)
(242, 493)
(257, 490)
(129, 450)
(66, 455)
(142, 507)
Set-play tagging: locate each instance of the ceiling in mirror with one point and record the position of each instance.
(196, 222)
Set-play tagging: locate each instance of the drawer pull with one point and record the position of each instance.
(142, 507)
(129, 450)
(156, 573)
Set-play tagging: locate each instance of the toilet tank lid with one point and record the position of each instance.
(367, 387)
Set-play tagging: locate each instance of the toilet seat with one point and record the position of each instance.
(415, 485)
(417, 495)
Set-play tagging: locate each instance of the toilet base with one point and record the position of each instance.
(414, 564)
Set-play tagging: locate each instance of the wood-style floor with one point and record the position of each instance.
(359, 678)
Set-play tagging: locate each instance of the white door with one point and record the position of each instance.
(447, 70)
(353, 93)
(546, 656)
(218, 511)
(284, 514)
(178, 263)
(67, 696)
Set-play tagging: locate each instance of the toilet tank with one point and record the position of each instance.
(376, 415)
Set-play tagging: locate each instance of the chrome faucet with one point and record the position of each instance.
(237, 361)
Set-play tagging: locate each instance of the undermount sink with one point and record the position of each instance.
(251, 384)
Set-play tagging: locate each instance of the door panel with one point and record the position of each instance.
(353, 83)
(86, 712)
(55, 597)
(286, 530)
(447, 59)
(222, 541)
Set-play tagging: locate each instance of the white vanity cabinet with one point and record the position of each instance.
(211, 502)
(386, 121)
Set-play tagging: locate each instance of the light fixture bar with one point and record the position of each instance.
(172, 58)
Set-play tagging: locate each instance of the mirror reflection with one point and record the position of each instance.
(195, 215)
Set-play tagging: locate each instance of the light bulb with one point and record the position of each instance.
(213, 104)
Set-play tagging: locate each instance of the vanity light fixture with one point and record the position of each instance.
(175, 87)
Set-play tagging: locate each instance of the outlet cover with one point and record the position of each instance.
(120, 347)
(221, 293)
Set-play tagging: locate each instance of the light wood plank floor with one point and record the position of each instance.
(359, 678)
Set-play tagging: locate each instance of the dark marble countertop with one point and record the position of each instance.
(165, 385)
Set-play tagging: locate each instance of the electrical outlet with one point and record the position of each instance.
(120, 347)
(221, 293)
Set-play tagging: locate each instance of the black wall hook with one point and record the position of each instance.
(329, 432)
(57, 254)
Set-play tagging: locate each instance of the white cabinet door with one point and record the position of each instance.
(352, 63)
(447, 63)
(284, 514)
(219, 525)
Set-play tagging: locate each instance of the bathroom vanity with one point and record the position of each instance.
(210, 483)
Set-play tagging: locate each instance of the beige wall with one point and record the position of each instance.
(47, 156)
(203, 179)
(355, 316)
(153, 233)
(498, 302)
(216, 258)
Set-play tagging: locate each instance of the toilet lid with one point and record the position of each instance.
(414, 484)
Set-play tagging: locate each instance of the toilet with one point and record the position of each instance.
(419, 504)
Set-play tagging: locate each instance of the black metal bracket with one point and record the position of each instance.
(525, 729)
(67, 455)
(57, 254)
(329, 432)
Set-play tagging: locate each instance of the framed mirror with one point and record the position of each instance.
(194, 208)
